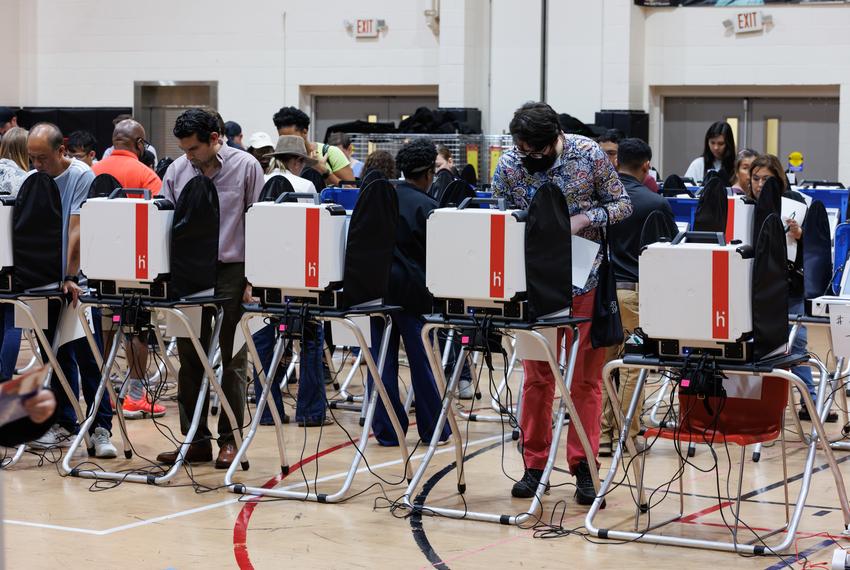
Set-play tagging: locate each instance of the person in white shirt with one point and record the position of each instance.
(289, 159)
(718, 153)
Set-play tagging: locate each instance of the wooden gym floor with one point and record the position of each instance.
(55, 522)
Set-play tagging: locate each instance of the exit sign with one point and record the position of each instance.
(746, 22)
(366, 28)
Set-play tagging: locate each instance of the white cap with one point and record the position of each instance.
(259, 140)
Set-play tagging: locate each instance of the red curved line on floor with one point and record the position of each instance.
(240, 528)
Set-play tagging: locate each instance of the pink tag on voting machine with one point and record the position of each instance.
(464, 340)
(685, 382)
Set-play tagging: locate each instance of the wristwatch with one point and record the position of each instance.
(73, 278)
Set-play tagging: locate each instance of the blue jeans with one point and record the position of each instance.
(796, 307)
(76, 355)
(265, 340)
(310, 405)
(407, 327)
(454, 352)
(10, 342)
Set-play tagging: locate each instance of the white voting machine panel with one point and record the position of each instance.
(697, 293)
(486, 267)
(125, 240)
(739, 219)
(294, 249)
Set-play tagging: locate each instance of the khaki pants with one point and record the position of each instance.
(628, 301)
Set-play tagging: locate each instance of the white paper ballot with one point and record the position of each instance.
(792, 209)
(839, 328)
(254, 325)
(343, 336)
(584, 254)
(70, 327)
(528, 348)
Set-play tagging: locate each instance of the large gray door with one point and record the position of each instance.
(686, 119)
(330, 110)
(809, 126)
(777, 125)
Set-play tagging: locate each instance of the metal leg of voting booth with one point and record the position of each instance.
(49, 352)
(447, 414)
(817, 436)
(207, 383)
(379, 392)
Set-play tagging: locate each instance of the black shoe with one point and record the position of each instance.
(316, 422)
(831, 417)
(526, 487)
(264, 421)
(585, 491)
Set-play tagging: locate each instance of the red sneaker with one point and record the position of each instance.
(141, 408)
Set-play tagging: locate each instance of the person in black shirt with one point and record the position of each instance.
(634, 158)
(407, 290)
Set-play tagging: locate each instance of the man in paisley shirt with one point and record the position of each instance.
(596, 197)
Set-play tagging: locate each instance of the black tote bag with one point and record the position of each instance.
(606, 327)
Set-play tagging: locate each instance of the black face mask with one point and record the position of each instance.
(542, 164)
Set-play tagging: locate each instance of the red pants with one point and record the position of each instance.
(539, 393)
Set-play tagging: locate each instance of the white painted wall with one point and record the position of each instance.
(515, 59)
(270, 53)
(807, 45)
(10, 48)
(263, 53)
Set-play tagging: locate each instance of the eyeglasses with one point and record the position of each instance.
(523, 154)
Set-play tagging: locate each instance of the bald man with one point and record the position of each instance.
(73, 177)
(124, 163)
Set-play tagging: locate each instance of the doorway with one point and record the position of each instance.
(777, 126)
(157, 104)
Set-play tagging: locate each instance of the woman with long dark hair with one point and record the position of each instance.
(718, 153)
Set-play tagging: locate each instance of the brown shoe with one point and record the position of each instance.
(225, 455)
(199, 452)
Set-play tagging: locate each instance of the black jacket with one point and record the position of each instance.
(624, 237)
(407, 276)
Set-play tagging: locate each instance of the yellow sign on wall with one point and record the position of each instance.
(495, 155)
(472, 156)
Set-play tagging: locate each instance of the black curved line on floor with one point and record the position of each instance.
(416, 517)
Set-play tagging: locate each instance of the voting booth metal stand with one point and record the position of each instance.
(796, 321)
(208, 384)
(838, 380)
(448, 413)
(19, 301)
(343, 318)
(768, 371)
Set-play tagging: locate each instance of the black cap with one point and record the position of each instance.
(7, 113)
(232, 129)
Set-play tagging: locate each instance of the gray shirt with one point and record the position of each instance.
(239, 182)
(11, 177)
(74, 186)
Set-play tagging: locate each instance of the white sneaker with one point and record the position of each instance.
(56, 436)
(465, 391)
(103, 448)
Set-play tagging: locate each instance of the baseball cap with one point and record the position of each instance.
(260, 140)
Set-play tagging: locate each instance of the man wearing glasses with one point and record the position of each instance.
(595, 197)
(124, 163)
